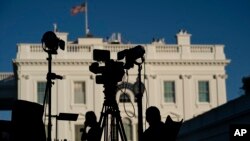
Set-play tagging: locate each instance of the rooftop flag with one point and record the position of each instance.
(82, 8)
(78, 8)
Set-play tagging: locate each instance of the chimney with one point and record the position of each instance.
(183, 38)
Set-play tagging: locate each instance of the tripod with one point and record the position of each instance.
(110, 112)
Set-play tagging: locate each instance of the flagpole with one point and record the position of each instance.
(86, 19)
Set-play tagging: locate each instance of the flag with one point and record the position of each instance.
(78, 8)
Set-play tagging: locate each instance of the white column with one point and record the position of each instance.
(25, 89)
(221, 88)
(188, 98)
(152, 91)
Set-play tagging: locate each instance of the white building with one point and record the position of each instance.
(8, 90)
(183, 80)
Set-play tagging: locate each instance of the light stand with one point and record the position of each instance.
(51, 45)
(131, 55)
(50, 76)
(64, 116)
(139, 96)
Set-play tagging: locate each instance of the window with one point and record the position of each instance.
(203, 88)
(78, 134)
(41, 86)
(79, 92)
(169, 91)
(124, 97)
(128, 128)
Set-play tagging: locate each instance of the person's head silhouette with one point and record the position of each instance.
(90, 118)
(153, 115)
(94, 133)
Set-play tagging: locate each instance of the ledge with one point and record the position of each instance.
(189, 62)
(73, 62)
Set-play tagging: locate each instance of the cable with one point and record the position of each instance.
(124, 92)
(144, 80)
(45, 108)
(146, 92)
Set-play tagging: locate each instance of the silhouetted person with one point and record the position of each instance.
(157, 130)
(27, 122)
(173, 128)
(94, 132)
(246, 85)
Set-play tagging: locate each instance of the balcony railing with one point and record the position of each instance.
(6, 75)
(167, 48)
(117, 48)
(202, 48)
(78, 48)
(36, 48)
(166, 51)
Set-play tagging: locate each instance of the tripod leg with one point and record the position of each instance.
(103, 122)
(116, 126)
(113, 131)
(106, 123)
(121, 129)
(119, 123)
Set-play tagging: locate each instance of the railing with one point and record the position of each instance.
(202, 48)
(36, 48)
(73, 48)
(78, 48)
(167, 48)
(211, 51)
(6, 75)
(117, 48)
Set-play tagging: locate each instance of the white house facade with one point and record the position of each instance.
(183, 80)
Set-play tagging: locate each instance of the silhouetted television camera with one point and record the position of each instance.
(52, 42)
(131, 55)
(113, 71)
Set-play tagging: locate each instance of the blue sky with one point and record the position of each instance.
(5, 115)
(209, 21)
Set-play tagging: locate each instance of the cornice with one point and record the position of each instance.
(77, 62)
(68, 62)
(188, 62)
